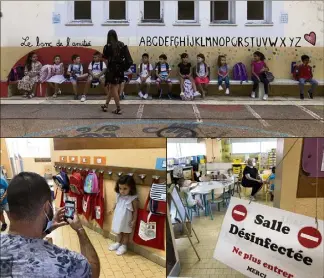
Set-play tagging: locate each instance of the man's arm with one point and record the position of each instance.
(3, 196)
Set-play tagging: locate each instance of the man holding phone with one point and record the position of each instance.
(24, 253)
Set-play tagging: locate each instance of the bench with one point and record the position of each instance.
(46, 55)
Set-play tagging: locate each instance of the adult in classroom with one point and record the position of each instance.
(251, 178)
(118, 61)
(24, 253)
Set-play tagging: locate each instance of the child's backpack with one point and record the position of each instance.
(158, 66)
(126, 58)
(157, 203)
(101, 65)
(188, 90)
(91, 184)
(76, 185)
(46, 73)
(62, 181)
(67, 69)
(16, 73)
(295, 71)
(240, 72)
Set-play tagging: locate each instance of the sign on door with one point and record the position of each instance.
(266, 242)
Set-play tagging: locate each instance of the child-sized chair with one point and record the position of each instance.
(190, 209)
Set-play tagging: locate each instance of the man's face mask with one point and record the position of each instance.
(49, 219)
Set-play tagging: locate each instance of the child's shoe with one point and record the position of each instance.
(301, 96)
(265, 97)
(253, 95)
(83, 98)
(76, 97)
(181, 94)
(197, 94)
(30, 95)
(114, 246)
(55, 95)
(145, 96)
(59, 92)
(310, 94)
(121, 250)
(227, 92)
(140, 94)
(220, 88)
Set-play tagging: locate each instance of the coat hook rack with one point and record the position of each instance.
(80, 169)
(60, 167)
(69, 168)
(120, 173)
(110, 173)
(156, 178)
(101, 171)
(74, 168)
(94, 170)
(131, 174)
(142, 176)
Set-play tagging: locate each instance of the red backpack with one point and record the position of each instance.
(76, 183)
(295, 72)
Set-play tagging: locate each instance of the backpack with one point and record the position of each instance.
(295, 71)
(127, 60)
(46, 73)
(67, 69)
(269, 76)
(16, 73)
(158, 66)
(101, 65)
(157, 204)
(240, 72)
(62, 181)
(188, 90)
(91, 184)
(76, 185)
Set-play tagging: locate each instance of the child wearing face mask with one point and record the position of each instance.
(202, 74)
(125, 213)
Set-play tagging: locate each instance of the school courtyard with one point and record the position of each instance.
(212, 117)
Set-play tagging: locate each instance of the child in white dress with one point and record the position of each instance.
(58, 76)
(125, 214)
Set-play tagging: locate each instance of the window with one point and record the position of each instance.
(268, 146)
(254, 147)
(177, 150)
(259, 11)
(29, 147)
(82, 10)
(187, 11)
(117, 10)
(152, 11)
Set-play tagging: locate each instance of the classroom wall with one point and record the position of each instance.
(38, 167)
(4, 157)
(287, 181)
(303, 17)
(137, 158)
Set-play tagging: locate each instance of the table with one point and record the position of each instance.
(205, 188)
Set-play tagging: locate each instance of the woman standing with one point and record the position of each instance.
(251, 178)
(115, 69)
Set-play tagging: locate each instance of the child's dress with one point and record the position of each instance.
(123, 214)
(202, 70)
(58, 76)
(30, 78)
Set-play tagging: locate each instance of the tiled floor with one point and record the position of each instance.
(207, 231)
(126, 266)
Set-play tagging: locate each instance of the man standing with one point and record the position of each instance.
(24, 253)
(3, 202)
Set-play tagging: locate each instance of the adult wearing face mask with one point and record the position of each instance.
(24, 253)
(251, 178)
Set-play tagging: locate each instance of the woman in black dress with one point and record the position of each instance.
(251, 178)
(115, 72)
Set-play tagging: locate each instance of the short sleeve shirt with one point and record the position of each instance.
(184, 68)
(96, 67)
(146, 68)
(77, 68)
(253, 174)
(3, 189)
(29, 257)
(223, 70)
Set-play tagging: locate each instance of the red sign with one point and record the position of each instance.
(309, 237)
(239, 213)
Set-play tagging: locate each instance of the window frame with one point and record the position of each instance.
(196, 13)
(231, 13)
(71, 17)
(152, 21)
(267, 12)
(108, 21)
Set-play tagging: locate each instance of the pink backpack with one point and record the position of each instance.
(46, 73)
(91, 184)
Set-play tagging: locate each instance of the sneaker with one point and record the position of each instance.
(170, 95)
(220, 88)
(253, 95)
(114, 246)
(121, 250)
(197, 94)
(30, 95)
(140, 94)
(181, 94)
(4, 227)
(301, 96)
(265, 97)
(76, 97)
(145, 96)
(25, 95)
(83, 98)
(310, 94)
(55, 95)
(59, 92)
(227, 92)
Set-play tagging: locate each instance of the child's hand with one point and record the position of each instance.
(132, 223)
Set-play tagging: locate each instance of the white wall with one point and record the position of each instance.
(34, 18)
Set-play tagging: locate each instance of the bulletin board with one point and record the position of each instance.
(311, 170)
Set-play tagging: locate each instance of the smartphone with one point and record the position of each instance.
(69, 209)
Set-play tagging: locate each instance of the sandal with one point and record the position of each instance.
(117, 111)
(104, 107)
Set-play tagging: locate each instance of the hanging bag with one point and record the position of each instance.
(99, 204)
(91, 184)
(157, 203)
(62, 181)
(149, 229)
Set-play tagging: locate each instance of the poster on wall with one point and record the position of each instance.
(262, 241)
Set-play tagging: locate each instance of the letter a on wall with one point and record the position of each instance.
(262, 241)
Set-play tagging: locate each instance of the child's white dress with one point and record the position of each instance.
(123, 214)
